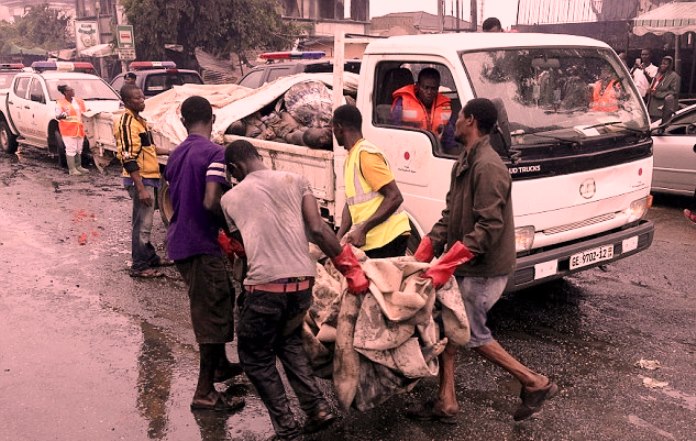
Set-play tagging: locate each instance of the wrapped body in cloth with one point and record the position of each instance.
(380, 344)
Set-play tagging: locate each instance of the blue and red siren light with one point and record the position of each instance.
(293, 55)
(142, 65)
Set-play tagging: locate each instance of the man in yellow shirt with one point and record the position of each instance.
(138, 155)
(371, 217)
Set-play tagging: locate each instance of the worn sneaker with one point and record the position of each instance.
(690, 215)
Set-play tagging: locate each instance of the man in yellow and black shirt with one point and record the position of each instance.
(138, 155)
(372, 220)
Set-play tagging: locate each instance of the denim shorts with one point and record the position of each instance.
(479, 295)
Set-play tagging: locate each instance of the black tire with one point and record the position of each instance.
(164, 203)
(8, 141)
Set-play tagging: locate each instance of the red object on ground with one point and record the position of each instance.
(82, 240)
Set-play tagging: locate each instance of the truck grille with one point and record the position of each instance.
(583, 223)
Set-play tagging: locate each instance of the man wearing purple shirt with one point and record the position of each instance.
(196, 175)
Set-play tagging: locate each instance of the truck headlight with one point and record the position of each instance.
(638, 208)
(524, 238)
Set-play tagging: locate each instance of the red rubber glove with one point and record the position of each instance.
(230, 246)
(444, 268)
(347, 264)
(425, 252)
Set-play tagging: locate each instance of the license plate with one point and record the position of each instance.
(591, 256)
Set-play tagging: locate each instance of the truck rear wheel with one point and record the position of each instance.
(164, 203)
(8, 141)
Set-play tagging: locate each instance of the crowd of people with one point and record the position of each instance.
(210, 189)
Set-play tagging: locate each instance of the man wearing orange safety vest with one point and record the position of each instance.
(69, 110)
(371, 218)
(606, 92)
(421, 106)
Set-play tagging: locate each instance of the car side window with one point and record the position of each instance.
(36, 92)
(21, 87)
(117, 84)
(252, 79)
(398, 101)
(277, 72)
(683, 125)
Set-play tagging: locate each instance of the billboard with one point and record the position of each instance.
(86, 34)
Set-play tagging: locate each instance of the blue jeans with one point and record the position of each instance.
(479, 295)
(144, 255)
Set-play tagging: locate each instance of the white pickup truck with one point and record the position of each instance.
(28, 107)
(581, 177)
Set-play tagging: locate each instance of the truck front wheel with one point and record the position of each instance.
(8, 141)
(164, 203)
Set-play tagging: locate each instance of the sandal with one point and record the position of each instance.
(430, 411)
(221, 404)
(163, 261)
(148, 273)
(532, 401)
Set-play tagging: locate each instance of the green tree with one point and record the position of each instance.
(44, 27)
(217, 26)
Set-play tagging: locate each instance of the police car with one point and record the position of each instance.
(7, 72)
(155, 77)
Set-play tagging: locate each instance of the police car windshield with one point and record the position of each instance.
(567, 93)
(85, 88)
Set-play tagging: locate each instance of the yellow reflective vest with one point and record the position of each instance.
(363, 201)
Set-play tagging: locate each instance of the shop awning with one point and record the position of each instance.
(675, 18)
(98, 50)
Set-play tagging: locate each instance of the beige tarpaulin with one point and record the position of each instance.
(385, 341)
(230, 103)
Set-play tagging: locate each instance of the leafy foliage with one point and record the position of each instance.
(41, 26)
(217, 26)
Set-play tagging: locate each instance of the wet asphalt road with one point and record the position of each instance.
(87, 353)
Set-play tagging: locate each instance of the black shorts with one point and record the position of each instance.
(211, 297)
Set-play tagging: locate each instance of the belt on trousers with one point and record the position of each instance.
(294, 286)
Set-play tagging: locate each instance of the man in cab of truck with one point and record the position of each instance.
(371, 217)
(422, 106)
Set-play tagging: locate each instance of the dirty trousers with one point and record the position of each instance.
(270, 326)
(143, 252)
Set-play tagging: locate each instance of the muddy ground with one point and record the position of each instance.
(87, 353)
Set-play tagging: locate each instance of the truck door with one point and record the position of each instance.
(17, 101)
(420, 152)
(39, 112)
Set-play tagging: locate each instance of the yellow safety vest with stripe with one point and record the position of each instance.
(363, 201)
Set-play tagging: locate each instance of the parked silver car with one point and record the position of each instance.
(674, 150)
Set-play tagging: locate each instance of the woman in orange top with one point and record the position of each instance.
(69, 112)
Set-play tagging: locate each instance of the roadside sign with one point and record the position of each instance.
(126, 54)
(124, 36)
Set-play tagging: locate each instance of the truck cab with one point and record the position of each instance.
(581, 177)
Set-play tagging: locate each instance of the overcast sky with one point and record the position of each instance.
(505, 10)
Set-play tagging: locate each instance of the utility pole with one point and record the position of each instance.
(441, 15)
(474, 15)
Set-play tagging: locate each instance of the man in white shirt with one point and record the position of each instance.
(643, 71)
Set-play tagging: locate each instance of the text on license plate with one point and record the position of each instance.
(591, 256)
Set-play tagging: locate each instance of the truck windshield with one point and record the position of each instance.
(558, 93)
(86, 89)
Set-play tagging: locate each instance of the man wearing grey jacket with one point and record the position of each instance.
(479, 214)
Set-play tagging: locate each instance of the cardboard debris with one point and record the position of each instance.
(650, 365)
(653, 383)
